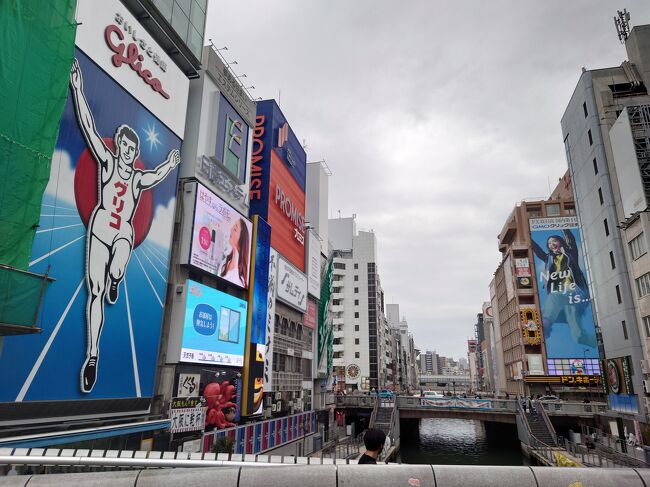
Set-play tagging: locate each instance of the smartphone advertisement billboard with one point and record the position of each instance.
(562, 288)
(214, 329)
(221, 238)
(105, 229)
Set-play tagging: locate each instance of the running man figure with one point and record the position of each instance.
(109, 241)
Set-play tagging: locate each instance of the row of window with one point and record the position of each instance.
(341, 265)
(340, 355)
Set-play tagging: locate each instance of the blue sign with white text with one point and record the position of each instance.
(214, 331)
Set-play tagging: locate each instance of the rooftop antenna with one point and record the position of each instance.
(622, 23)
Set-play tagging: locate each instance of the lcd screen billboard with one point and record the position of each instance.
(562, 288)
(104, 231)
(214, 329)
(221, 238)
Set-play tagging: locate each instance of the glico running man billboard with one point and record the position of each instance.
(105, 228)
(562, 287)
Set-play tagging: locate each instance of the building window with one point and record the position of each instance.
(595, 166)
(356, 341)
(356, 290)
(336, 302)
(600, 196)
(606, 227)
(356, 327)
(611, 259)
(643, 284)
(646, 325)
(356, 302)
(624, 326)
(356, 314)
(357, 354)
(553, 210)
(637, 246)
(569, 209)
(356, 278)
(356, 266)
(339, 265)
(618, 294)
(591, 139)
(584, 109)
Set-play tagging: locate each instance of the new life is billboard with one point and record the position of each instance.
(105, 228)
(221, 239)
(214, 328)
(562, 287)
(277, 190)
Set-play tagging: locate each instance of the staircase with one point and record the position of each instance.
(384, 419)
(539, 428)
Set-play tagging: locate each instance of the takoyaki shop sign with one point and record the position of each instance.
(187, 414)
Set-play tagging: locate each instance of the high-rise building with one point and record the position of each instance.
(357, 307)
(543, 307)
(605, 131)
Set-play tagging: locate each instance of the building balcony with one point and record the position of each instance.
(337, 309)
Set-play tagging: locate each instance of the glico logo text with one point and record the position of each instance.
(130, 54)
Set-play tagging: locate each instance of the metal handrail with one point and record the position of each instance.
(542, 412)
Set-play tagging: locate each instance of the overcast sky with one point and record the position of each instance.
(435, 118)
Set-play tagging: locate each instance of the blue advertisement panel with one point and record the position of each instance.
(271, 434)
(285, 430)
(563, 291)
(104, 236)
(257, 447)
(272, 132)
(240, 441)
(261, 285)
(232, 140)
(214, 330)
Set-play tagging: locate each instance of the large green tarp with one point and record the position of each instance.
(36, 53)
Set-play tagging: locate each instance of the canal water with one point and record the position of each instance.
(459, 442)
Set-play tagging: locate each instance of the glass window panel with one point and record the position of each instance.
(184, 5)
(180, 23)
(165, 7)
(197, 16)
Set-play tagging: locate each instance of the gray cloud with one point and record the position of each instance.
(435, 118)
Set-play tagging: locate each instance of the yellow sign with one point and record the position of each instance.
(564, 461)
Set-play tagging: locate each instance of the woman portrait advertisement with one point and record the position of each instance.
(563, 293)
(235, 265)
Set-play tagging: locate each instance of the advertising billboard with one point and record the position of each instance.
(221, 239)
(270, 319)
(277, 190)
(292, 285)
(105, 228)
(222, 390)
(214, 329)
(311, 316)
(313, 264)
(628, 166)
(232, 140)
(254, 372)
(562, 288)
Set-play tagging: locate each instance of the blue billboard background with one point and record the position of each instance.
(214, 330)
(562, 287)
(47, 366)
(292, 154)
(261, 284)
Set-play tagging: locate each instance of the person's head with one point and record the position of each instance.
(374, 440)
(127, 144)
(555, 243)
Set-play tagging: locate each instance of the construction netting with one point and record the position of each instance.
(36, 53)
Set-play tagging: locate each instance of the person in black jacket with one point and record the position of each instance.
(567, 292)
(374, 441)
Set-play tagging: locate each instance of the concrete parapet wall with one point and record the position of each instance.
(345, 476)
